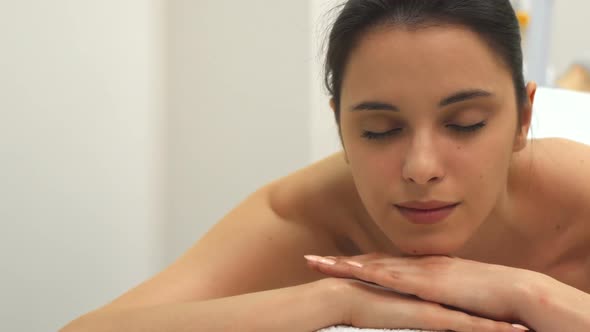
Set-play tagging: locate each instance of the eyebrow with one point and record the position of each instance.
(458, 97)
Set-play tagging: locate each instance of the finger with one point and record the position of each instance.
(328, 269)
(341, 268)
(398, 274)
(376, 272)
(403, 275)
(371, 257)
(439, 318)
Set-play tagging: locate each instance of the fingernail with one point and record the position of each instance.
(320, 259)
(353, 263)
(520, 327)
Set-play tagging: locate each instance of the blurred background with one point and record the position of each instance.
(129, 127)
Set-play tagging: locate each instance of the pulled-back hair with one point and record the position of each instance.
(493, 20)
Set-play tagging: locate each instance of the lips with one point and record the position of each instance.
(428, 210)
(427, 216)
(426, 206)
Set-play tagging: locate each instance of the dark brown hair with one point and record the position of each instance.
(493, 20)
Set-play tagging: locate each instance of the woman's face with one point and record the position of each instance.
(429, 115)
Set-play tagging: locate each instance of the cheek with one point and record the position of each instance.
(375, 172)
(484, 173)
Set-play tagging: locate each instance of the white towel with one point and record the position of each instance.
(344, 328)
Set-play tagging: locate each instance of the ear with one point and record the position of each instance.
(526, 115)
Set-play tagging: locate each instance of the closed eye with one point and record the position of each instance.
(380, 135)
(468, 128)
(373, 135)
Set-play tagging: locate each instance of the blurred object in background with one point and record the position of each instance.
(548, 46)
(524, 19)
(577, 76)
(536, 22)
(523, 10)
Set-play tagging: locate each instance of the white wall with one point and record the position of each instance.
(127, 129)
(80, 156)
(569, 39)
(239, 105)
(324, 138)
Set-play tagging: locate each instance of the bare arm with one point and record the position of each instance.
(550, 305)
(251, 262)
(306, 307)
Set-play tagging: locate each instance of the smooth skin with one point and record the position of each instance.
(516, 249)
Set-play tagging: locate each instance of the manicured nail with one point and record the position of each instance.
(520, 327)
(353, 263)
(319, 259)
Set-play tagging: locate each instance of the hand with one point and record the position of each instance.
(371, 306)
(485, 290)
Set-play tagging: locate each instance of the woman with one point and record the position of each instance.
(437, 197)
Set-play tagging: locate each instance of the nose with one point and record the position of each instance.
(422, 165)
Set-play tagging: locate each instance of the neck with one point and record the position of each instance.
(505, 231)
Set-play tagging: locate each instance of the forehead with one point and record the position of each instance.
(430, 62)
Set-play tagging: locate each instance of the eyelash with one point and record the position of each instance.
(469, 129)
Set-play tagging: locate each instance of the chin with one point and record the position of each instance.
(416, 250)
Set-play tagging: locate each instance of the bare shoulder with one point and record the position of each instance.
(555, 174)
(562, 194)
(561, 170)
(257, 246)
(321, 193)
